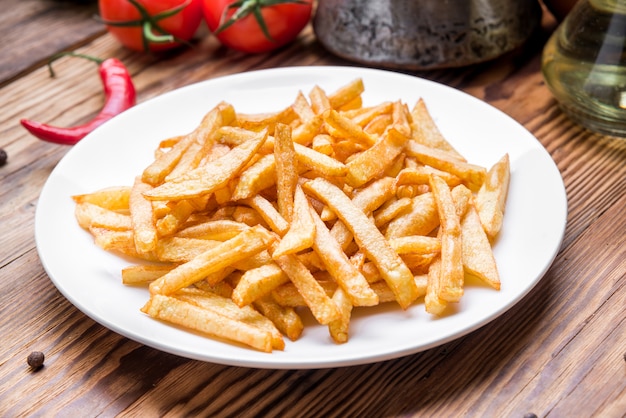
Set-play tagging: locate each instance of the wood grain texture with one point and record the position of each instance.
(559, 352)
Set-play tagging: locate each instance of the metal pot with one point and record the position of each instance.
(424, 34)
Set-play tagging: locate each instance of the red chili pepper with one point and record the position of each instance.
(119, 93)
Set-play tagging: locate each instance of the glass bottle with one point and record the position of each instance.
(584, 65)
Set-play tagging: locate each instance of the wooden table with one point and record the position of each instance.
(560, 352)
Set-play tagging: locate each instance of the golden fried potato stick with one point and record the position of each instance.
(285, 318)
(117, 241)
(367, 114)
(142, 218)
(339, 328)
(426, 132)
(421, 218)
(258, 282)
(286, 170)
(143, 274)
(175, 218)
(202, 136)
(225, 306)
(111, 198)
(370, 240)
(346, 94)
(478, 258)
(301, 233)
(303, 108)
(432, 302)
(209, 177)
(244, 245)
(89, 215)
(218, 230)
(269, 213)
(318, 162)
(208, 321)
(342, 127)
(319, 100)
(416, 244)
(367, 200)
(181, 250)
(391, 210)
(322, 307)
(401, 119)
(339, 266)
(471, 174)
(373, 162)
(259, 176)
(491, 198)
(452, 273)
(421, 175)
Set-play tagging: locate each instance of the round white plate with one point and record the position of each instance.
(119, 150)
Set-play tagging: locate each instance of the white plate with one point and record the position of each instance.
(116, 152)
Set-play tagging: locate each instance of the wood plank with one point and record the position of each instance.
(34, 30)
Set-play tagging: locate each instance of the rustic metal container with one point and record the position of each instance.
(424, 34)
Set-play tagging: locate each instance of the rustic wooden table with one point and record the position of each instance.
(559, 352)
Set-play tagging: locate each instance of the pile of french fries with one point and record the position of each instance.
(250, 220)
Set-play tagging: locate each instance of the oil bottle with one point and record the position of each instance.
(584, 65)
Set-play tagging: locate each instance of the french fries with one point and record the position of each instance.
(247, 222)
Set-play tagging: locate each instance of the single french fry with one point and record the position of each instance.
(322, 307)
(244, 245)
(89, 215)
(269, 213)
(433, 303)
(208, 321)
(452, 274)
(491, 198)
(478, 258)
(319, 162)
(426, 132)
(219, 230)
(301, 233)
(258, 282)
(471, 174)
(421, 218)
(373, 162)
(286, 319)
(391, 210)
(343, 127)
(319, 100)
(143, 274)
(416, 244)
(111, 198)
(181, 250)
(142, 217)
(346, 94)
(259, 176)
(339, 328)
(118, 241)
(286, 170)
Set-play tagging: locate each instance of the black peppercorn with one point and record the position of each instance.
(3, 157)
(35, 360)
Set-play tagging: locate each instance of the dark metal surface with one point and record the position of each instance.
(424, 34)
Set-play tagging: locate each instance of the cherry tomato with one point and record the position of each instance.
(151, 25)
(283, 21)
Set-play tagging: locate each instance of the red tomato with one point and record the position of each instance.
(179, 27)
(284, 22)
